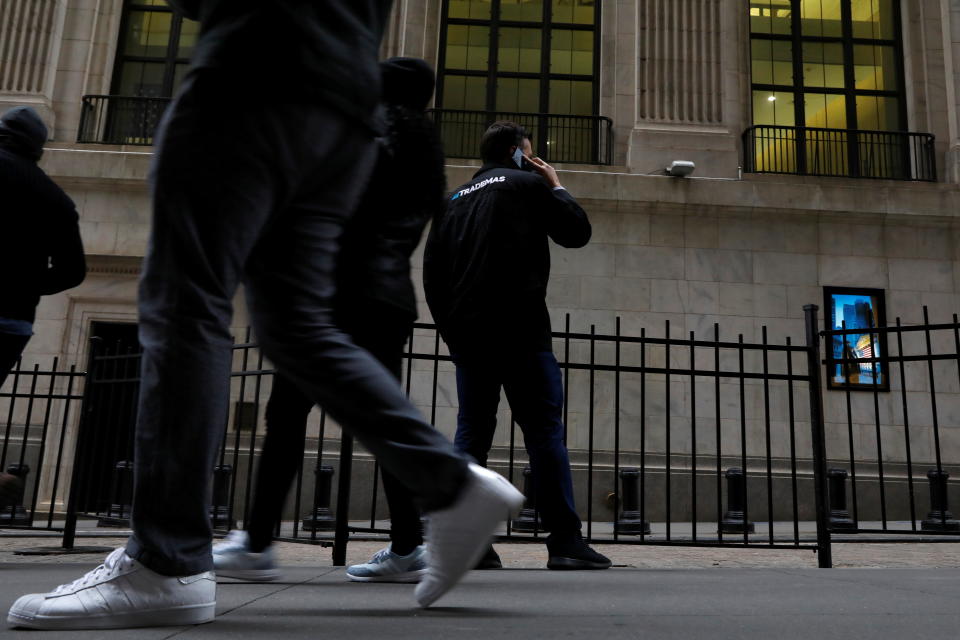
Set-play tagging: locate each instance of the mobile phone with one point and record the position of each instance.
(519, 158)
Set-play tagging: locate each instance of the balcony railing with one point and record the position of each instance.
(849, 153)
(120, 119)
(132, 120)
(556, 138)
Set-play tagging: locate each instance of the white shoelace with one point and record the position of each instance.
(380, 556)
(111, 565)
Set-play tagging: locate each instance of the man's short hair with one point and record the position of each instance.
(498, 138)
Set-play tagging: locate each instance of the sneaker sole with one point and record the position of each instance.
(167, 617)
(507, 498)
(572, 564)
(250, 575)
(406, 577)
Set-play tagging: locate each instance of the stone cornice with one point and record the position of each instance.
(114, 265)
(86, 166)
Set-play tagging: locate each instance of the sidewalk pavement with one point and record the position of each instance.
(651, 597)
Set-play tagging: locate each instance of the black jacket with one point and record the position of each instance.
(487, 260)
(40, 248)
(405, 191)
(315, 49)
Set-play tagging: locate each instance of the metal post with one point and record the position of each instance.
(939, 518)
(527, 521)
(220, 506)
(341, 533)
(70, 523)
(15, 513)
(630, 521)
(321, 519)
(118, 513)
(824, 551)
(839, 516)
(735, 520)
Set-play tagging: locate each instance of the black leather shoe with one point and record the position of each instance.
(574, 555)
(489, 560)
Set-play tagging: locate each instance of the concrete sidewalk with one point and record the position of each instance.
(317, 602)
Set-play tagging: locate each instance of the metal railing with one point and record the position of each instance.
(120, 119)
(919, 413)
(683, 440)
(557, 138)
(850, 153)
(129, 120)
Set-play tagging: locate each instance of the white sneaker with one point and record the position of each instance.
(387, 566)
(232, 558)
(459, 535)
(121, 593)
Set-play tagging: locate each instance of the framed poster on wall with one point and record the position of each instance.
(854, 308)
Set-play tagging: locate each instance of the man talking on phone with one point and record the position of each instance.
(486, 268)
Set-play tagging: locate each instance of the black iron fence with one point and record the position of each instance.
(677, 439)
(38, 406)
(850, 153)
(872, 490)
(556, 138)
(120, 119)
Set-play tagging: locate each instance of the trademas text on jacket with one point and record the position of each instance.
(487, 259)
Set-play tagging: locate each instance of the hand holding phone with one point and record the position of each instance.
(549, 173)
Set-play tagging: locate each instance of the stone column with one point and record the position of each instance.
(689, 66)
(30, 34)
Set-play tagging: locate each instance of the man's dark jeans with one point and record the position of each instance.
(286, 417)
(534, 388)
(258, 193)
(11, 346)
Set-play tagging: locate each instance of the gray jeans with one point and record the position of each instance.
(258, 194)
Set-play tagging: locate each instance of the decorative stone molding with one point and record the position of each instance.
(28, 35)
(114, 265)
(680, 72)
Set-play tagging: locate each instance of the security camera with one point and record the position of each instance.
(680, 168)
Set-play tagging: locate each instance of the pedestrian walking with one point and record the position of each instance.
(376, 306)
(256, 187)
(486, 269)
(40, 248)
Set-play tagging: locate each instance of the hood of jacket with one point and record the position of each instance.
(23, 132)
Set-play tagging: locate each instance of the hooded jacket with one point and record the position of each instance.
(487, 260)
(405, 191)
(40, 248)
(324, 50)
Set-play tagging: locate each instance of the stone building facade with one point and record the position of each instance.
(678, 81)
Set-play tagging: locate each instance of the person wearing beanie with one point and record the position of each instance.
(377, 306)
(40, 248)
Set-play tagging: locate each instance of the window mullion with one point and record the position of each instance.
(493, 60)
(799, 110)
(849, 76)
(170, 60)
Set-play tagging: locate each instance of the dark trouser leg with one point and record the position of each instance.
(281, 456)
(224, 177)
(478, 390)
(534, 388)
(11, 347)
(291, 285)
(385, 340)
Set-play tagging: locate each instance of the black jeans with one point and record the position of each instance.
(286, 416)
(258, 193)
(534, 388)
(11, 346)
